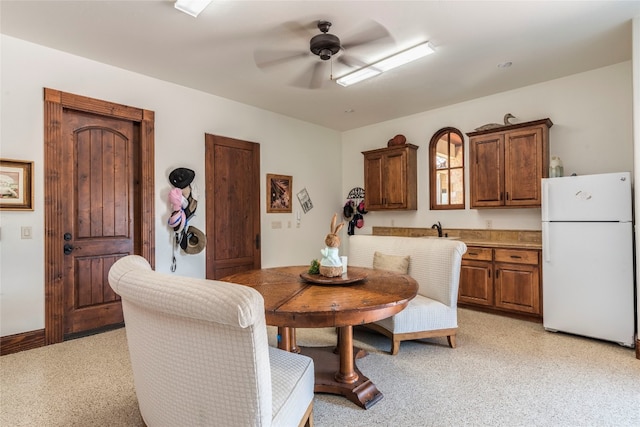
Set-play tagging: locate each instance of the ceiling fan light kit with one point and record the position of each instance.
(192, 7)
(389, 63)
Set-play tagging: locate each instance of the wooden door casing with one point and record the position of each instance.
(232, 175)
(56, 105)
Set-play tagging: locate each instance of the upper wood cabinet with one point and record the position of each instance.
(390, 178)
(507, 165)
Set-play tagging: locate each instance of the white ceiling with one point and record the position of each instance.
(215, 52)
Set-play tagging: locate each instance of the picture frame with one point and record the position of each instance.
(279, 193)
(305, 200)
(16, 185)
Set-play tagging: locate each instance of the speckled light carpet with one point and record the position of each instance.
(504, 372)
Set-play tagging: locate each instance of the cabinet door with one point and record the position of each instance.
(523, 167)
(373, 170)
(476, 283)
(517, 287)
(395, 185)
(487, 175)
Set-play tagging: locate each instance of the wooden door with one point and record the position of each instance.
(523, 167)
(487, 170)
(99, 153)
(99, 206)
(232, 175)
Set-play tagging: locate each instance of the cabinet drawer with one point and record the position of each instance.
(516, 256)
(481, 254)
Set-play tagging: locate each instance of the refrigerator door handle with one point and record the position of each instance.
(545, 200)
(546, 251)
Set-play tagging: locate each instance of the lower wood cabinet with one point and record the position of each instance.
(502, 280)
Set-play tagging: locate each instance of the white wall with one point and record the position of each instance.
(592, 133)
(182, 117)
(636, 139)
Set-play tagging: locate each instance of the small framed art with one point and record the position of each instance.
(305, 200)
(16, 185)
(279, 193)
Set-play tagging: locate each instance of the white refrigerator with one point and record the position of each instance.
(587, 252)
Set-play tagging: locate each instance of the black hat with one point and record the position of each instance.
(181, 177)
(347, 211)
(190, 210)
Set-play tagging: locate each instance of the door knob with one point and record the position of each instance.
(67, 248)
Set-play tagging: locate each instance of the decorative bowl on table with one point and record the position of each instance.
(344, 279)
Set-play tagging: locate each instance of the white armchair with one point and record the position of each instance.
(435, 264)
(200, 355)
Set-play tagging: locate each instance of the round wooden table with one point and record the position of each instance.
(292, 302)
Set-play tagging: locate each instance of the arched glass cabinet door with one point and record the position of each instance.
(446, 169)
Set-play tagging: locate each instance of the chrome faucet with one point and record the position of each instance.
(438, 226)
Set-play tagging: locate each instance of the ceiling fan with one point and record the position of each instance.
(323, 49)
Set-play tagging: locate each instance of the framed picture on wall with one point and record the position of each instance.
(279, 193)
(16, 185)
(305, 200)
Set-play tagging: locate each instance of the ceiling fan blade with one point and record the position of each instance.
(350, 61)
(374, 33)
(317, 75)
(311, 77)
(304, 31)
(270, 58)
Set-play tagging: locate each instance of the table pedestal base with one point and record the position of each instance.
(361, 391)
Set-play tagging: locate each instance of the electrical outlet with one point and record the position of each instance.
(489, 224)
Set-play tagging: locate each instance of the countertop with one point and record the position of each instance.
(516, 239)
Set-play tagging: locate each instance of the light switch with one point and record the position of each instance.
(25, 232)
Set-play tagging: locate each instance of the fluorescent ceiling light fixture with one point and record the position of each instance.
(191, 7)
(391, 62)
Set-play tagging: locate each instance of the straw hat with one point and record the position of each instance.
(193, 241)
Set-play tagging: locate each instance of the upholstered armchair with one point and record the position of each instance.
(435, 264)
(200, 354)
